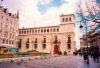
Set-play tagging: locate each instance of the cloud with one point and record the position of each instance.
(45, 1)
(30, 15)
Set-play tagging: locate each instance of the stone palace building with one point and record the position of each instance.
(49, 39)
(8, 28)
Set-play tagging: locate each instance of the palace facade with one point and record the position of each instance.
(8, 28)
(49, 39)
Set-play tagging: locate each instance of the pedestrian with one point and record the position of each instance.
(96, 54)
(85, 56)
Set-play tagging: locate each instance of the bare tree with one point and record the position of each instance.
(89, 11)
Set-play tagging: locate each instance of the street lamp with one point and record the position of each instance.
(97, 21)
(81, 26)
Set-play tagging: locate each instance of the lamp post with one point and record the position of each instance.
(86, 43)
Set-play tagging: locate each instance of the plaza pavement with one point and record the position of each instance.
(52, 62)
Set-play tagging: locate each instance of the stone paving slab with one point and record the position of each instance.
(92, 64)
(56, 62)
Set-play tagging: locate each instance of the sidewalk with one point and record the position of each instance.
(91, 64)
(27, 58)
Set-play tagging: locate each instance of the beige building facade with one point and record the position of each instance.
(8, 28)
(49, 39)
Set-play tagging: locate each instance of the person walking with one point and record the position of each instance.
(85, 56)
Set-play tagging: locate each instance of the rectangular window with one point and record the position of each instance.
(43, 45)
(19, 43)
(35, 40)
(35, 46)
(69, 46)
(7, 41)
(3, 40)
(27, 45)
(44, 41)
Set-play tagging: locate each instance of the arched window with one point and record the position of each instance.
(44, 40)
(27, 43)
(33, 31)
(3, 40)
(19, 43)
(24, 32)
(7, 41)
(51, 30)
(56, 39)
(69, 42)
(38, 30)
(66, 19)
(47, 30)
(69, 39)
(69, 19)
(35, 40)
(27, 31)
(57, 29)
(41, 30)
(44, 30)
(2, 17)
(63, 20)
(54, 30)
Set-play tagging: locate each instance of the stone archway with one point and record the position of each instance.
(56, 49)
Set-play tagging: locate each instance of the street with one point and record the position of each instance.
(55, 62)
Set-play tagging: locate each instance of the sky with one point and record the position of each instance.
(36, 13)
(40, 12)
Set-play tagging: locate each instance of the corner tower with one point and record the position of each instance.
(67, 23)
(67, 31)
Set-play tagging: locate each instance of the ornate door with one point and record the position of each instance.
(56, 49)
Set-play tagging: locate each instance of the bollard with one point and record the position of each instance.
(11, 61)
(29, 59)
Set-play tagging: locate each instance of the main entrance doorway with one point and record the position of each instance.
(56, 49)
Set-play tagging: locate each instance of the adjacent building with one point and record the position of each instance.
(49, 39)
(94, 38)
(8, 28)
